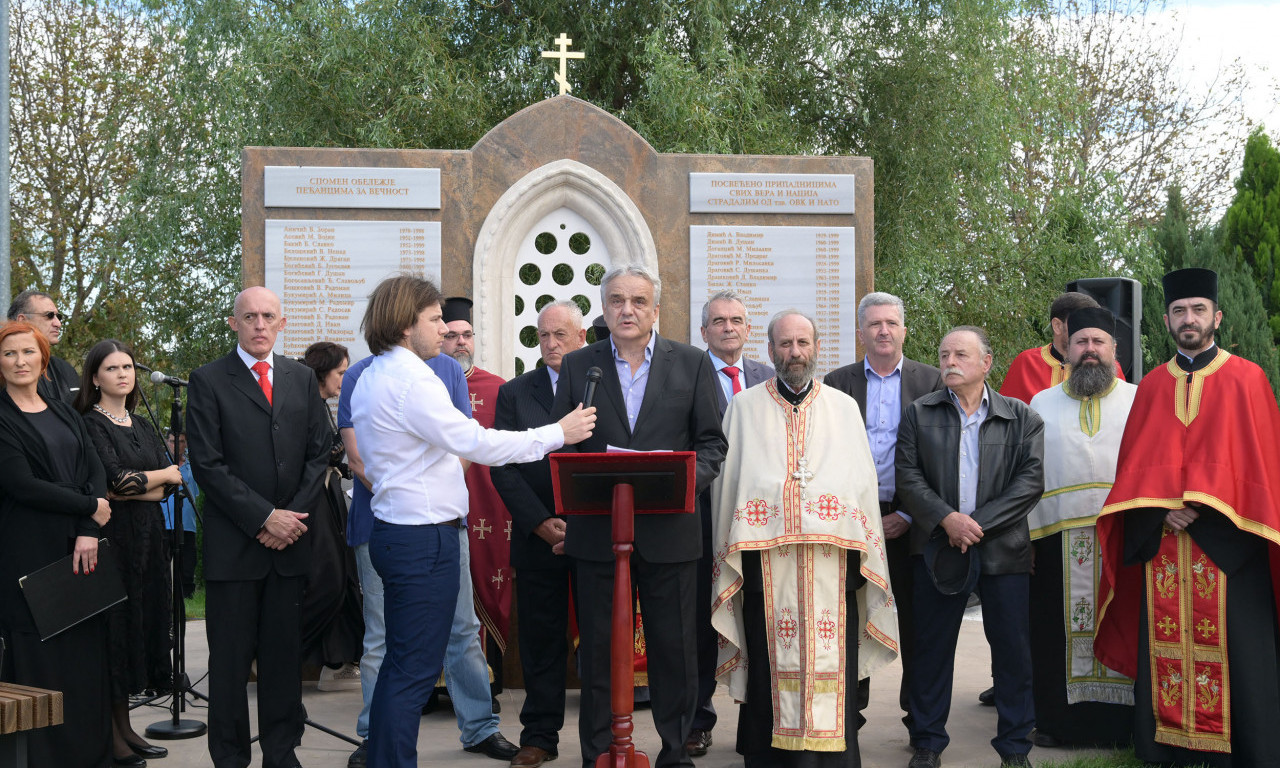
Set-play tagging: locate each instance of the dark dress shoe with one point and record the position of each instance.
(1014, 761)
(532, 757)
(496, 746)
(129, 761)
(149, 751)
(359, 758)
(1042, 739)
(988, 697)
(925, 758)
(698, 743)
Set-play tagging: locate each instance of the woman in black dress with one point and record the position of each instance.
(52, 504)
(332, 611)
(139, 475)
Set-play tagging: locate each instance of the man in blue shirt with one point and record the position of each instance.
(465, 668)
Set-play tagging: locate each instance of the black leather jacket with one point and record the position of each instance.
(1010, 474)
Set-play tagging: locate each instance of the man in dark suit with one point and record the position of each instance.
(654, 394)
(259, 444)
(543, 570)
(725, 331)
(895, 382)
(39, 309)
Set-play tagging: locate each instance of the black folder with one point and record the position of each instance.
(60, 599)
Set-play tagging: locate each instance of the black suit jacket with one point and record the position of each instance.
(918, 380)
(678, 413)
(250, 457)
(60, 382)
(524, 403)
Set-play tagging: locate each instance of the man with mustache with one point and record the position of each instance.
(799, 559)
(1079, 701)
(884, 383)
(1190, 539)
(969, 470)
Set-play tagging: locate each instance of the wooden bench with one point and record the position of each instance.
(23, 709)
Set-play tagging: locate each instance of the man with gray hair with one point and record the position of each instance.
(969, 469)
(654, 394)
(798, 564)
(884, 383)
(537, 543)
(38, 309)
(725, 331)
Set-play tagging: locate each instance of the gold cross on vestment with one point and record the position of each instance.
(475, 402)
(563, 54)
(482, 528)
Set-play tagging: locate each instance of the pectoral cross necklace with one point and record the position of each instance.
(802, 473)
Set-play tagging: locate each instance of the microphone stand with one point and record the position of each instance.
(175, 727)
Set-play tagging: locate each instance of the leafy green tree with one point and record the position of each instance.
(1252, 223)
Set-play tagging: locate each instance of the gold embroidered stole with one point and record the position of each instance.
(1186, 619)
(1087, 678)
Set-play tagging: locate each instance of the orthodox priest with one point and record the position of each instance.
(1079, 701)
(1190, 537)
(1035, 370)
(799, 561)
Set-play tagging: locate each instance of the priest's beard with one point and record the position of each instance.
(464, 359)
(796, 373)
(1090, 378)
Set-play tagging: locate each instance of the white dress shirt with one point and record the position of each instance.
(411, 436)
(250, 361)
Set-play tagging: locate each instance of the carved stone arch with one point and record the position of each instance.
(560, 184)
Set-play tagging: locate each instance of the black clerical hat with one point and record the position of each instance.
(457, 308)
(602, 329)
(1193, 282)
(952, 571)
(1091, 317)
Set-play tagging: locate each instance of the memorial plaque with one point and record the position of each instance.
(324, 271)
(307, 186)
(771, 192)
(811, 269)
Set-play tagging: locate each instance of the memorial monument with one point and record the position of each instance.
(537, 211)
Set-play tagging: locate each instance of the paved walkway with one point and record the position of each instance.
(883, 740)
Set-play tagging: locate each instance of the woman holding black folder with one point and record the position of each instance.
(52, 504)
(139, 475)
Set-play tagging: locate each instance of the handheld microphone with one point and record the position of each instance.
(173, 381)
(593, 381)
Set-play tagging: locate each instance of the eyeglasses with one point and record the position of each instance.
(49, 315)
(465, 336)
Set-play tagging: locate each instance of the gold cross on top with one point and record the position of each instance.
(563, 54)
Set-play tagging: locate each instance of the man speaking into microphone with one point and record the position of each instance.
(653, 394)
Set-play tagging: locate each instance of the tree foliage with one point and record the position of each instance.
(1252, 224)
(986, 120)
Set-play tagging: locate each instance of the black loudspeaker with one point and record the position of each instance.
(1124, 298)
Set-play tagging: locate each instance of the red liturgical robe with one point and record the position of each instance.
(1210, 439)
(489, 522)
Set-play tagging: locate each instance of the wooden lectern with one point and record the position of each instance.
(623, 484)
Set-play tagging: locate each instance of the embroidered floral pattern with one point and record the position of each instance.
(1082, 615)
(827, 507)
(756, 513)
(1171, 687)
(1206, 577)
(826, 629)
(1208, 691)
(786, 628)
(1082, 547)
(1166, 577)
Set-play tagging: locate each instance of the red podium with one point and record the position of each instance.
(621, 485)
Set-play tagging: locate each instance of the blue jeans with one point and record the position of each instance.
(466, 669)
(419, 569)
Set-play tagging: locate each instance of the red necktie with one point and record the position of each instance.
(262, 368)
(733, 372)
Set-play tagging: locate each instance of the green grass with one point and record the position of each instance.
(195, 604)
(1124, 759)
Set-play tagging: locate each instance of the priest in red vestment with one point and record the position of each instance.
(1190, 536)
(1039, 368)
(488, 521)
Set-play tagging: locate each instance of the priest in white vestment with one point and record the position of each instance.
(801, 593)
(1079, 702)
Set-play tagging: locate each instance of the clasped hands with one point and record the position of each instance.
(962, 531)
(282, 529)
